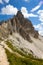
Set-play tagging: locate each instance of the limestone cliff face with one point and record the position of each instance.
(20, 25)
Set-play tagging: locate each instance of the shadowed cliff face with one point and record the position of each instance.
(20, 25)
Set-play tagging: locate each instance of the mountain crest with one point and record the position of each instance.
(20, 25)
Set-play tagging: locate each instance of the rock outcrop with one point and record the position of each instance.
(20, 25)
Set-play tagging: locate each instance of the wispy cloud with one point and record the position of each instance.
(26, 14)
(26, 0)
(2, 1)
(39, 27)
(40, 13)
(37, 7)
(6, 1)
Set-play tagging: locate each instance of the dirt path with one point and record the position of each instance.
(3, 57)
(5, 46)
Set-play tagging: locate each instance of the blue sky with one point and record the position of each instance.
(31, 9)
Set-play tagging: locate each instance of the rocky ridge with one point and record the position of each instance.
(20, 40)
(20, 25)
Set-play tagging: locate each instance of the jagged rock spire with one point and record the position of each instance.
(20, 25)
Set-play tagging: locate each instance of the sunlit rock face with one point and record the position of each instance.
(22, 34)
(18, 24)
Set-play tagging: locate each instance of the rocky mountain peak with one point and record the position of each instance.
(20, 25)
(19, 15)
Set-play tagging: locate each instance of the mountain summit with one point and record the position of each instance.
(20, 25)
(20, 43)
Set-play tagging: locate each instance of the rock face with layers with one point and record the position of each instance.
(20, 25)
(20, 32)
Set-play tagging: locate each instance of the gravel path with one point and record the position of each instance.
(3, 57)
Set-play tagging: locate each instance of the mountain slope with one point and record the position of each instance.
(20, 25)
(21, 41)
(19, 54)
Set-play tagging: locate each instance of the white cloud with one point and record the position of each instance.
(40, 12)
(9, 10)
(26, 0)
(37, 7)
(41, 33)
(24, 10)
(26, 14)
(32, 15)
(39, 27)
(34, 9)
(6, 1)
(2, 1)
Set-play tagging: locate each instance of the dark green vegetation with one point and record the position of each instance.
(20, 51)
(17, 60)
(1, 39)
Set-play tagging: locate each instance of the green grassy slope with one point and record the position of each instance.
(17, 60)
